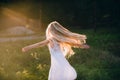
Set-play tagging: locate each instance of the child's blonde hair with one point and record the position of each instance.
(66, 38)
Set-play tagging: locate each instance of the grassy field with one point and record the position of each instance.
(100, 62)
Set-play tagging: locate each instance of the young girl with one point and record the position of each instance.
(60, 42)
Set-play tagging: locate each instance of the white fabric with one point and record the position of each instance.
(60, 68)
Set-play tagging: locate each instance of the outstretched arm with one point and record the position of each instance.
(39, 44)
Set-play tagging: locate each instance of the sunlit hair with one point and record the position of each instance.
(65, 38)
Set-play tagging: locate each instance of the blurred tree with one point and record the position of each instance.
(78, 13)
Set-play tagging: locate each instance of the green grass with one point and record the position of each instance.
(100, 62)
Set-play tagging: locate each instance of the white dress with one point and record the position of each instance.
(60, 68)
